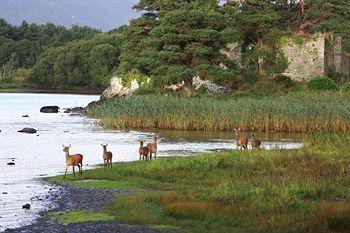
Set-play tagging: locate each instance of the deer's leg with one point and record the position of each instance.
(73, 170)
(65, 172)
(155, 154)
(81, 167)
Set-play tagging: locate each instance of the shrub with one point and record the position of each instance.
(346, 88)
(322, 83)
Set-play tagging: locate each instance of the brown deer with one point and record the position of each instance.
(152, 147)
(73, 160)
(242, 141)
(107, 155)
(143, 151)
(256, 143)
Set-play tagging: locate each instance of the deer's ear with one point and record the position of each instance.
(106, 144)
(69, 145)
(63, 146)
(239, 129)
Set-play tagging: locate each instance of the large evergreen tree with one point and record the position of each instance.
(177, 40)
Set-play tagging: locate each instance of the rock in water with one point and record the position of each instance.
(26, 206)
(49, 109)
(25, 115)
(11, 163)
(27, 130)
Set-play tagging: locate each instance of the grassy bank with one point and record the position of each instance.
(305, 190)
(294, 112)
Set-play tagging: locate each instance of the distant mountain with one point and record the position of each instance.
(101, 14)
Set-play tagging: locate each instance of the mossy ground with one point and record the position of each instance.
(305, 190)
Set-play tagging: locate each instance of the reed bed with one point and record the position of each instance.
(293, 112)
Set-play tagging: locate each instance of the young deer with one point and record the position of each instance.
(152, 147)
(242, 141)
(73, 160)
(143, 151)
(107, 155)
(256, 143)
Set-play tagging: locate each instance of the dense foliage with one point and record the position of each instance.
(322, 83)
(176, 40)
(80, 64)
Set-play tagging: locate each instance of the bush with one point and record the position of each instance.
(322, 83)
(346, 88)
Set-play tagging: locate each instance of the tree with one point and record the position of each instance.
(177, 40)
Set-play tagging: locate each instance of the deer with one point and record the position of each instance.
(256, 143)
(107, 155)
(242, 141)
(143, 151)
(73, 160)
(152, 147)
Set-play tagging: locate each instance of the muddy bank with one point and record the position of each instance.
(70, 198)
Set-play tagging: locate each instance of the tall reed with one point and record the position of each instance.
(294, 112)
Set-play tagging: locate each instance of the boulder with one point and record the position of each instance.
(210, 86)
(26, 206)
(198, 83)
(27, 130)
(25, 115)
(49, 109)
(11, 163)
(117, 89)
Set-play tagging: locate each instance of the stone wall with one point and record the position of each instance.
(305, 60)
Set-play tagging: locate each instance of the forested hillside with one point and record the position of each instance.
(171, 42)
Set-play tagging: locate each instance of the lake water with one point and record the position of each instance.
(40, 155)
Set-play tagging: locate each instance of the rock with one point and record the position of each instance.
(26, 206)
(198, 83)
(27, 130)
(4, 192)
(80, 110)
(11, 163)
(210, 86)
(117, 89)
(25, 115)
(67, 110)
(49, 109)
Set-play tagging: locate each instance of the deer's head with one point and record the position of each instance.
(66, 148)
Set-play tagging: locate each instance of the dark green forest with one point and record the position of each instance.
(172, 41)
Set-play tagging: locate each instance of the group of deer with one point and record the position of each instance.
(242, 141)
(77, 159)
(146, 152)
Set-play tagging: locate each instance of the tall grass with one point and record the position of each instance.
(294, 112)
(305, 190)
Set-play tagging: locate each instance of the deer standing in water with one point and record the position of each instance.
(152, 147)
(107, 155)
(73, 160)
(143, 151)
(256, 143)
(242, 141)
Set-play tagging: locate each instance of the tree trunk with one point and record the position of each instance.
(188, 87)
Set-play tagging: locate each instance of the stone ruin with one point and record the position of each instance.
(317, 55)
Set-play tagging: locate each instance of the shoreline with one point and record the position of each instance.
(67, 198)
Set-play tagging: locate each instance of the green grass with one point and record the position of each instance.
(82, 216)
(305, 190)
(291, 112)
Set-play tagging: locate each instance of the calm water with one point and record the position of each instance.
(40, 155)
